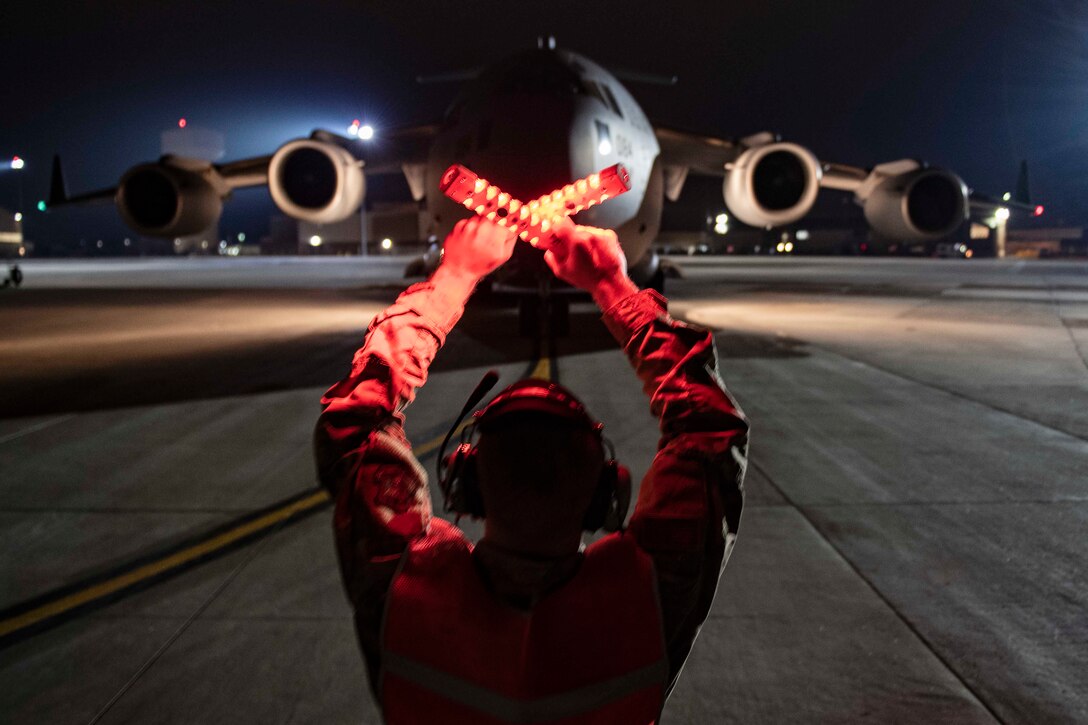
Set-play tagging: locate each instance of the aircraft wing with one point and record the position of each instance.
(701, 154)
(389, 151)
(320, 179)
(769, 183)
(1018, 201)
(985, 205)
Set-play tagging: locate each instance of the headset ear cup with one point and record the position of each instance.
(603, 498)
(471, 499)
(459, 485)
(621, 499)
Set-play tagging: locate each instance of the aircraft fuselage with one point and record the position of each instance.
(538, 121)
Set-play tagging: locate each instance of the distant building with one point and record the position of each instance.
(11, 236)
(403, 224)
(1046, 242)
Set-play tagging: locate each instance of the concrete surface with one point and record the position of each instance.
(912, 548)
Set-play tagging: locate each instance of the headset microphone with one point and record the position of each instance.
(487, 382)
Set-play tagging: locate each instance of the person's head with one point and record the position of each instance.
(539, 460)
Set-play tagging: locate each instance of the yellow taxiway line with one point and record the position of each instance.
(100, 590)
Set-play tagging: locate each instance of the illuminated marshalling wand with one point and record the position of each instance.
(539, 216)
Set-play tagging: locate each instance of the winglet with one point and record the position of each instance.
(58, 190)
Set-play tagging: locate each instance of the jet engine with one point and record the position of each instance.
(918, 205)
(166, 201)
(772, 184)
(316, 181)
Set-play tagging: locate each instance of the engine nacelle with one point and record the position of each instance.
(316, 181)
(918, 205)
(772, 184)
(165, 201)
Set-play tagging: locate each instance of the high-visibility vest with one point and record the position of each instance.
(591, 651)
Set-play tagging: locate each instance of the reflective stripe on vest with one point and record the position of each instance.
(544, 709)
(590, 652)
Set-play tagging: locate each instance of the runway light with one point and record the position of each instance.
(182, 123)
(241, 236)
(1002, 214)
(366, 132)
(18, 216)
(1038, 210)
(387, 243)
(17, 163)
(532, 220)
(1006, 196)
(315, 241)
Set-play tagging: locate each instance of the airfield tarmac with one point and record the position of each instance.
(912, 547)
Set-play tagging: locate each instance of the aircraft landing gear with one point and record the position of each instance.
(544, 316)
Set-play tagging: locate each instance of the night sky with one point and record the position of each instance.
(971, 85)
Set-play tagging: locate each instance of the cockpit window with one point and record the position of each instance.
(611, 100)
(604, 94)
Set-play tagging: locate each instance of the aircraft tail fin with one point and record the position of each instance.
(1023, 194)
(58, 190)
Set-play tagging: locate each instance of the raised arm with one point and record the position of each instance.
(690, 501)
(362, 455)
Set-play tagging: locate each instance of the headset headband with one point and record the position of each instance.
(533, 395)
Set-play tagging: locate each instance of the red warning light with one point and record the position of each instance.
(1038, 210)
(536, 218)
(182, 122)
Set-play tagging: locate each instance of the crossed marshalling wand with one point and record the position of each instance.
(539, 217)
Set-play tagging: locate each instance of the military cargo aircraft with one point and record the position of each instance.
(531, 123)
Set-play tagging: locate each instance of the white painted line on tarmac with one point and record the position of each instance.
(35, 428)
(1026, 295)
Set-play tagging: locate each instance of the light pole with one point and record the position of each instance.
(1001, 216)
(17, 164)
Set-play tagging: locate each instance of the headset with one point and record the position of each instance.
(457, 472)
